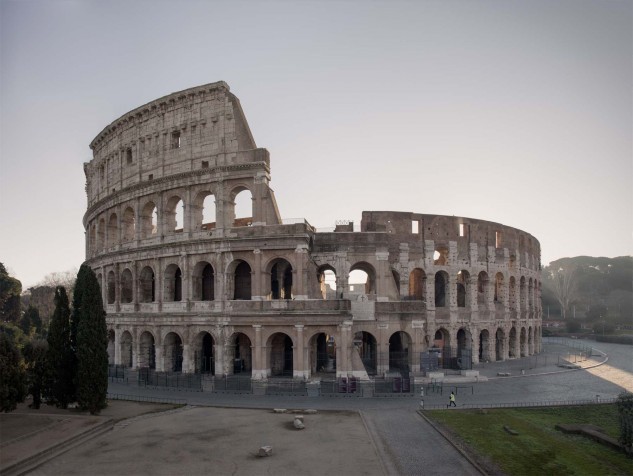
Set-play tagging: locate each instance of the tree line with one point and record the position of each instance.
(66, 363)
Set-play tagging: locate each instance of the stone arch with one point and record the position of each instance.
(322, 353)
(512, 343)
(204, 353)
(530, 303)
(440, 255)
(127, 293)
(400, 352)
(147, 285)
(239, 351)
(326, 275)
(204, 211)
(417, 285)
(482, 288)
(174, 214)
(147, 350)
(125, 348)
(442, 341)
(370, 285)
(523, 343)
(464, 348)
(484, 346)
(239, 282)
(129, 224)
(441, 288)
(111, 295)
(172, 352)
(499, 284)
(237, 212)
(523, 293)
(149, 220)
(113, 230)
(367, 347)
(111, 346)
(500, 344)
(280, 347)
(203, 282)
(463, 281)
(530, 340)
(280, 283)
(173, 284)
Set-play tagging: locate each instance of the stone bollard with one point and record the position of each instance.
(298, 422)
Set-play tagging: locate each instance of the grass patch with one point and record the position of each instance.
(538, 448)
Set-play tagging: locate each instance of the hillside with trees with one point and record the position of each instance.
(592, 290)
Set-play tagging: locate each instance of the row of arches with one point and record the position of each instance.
(147, 219)
(283, 354)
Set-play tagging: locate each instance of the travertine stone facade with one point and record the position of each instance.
(189, 286)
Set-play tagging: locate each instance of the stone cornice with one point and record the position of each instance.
(159, 105)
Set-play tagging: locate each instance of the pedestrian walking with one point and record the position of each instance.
(451, 400)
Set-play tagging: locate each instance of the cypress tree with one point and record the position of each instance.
(60, 387)
(91, 341)
(12, 374)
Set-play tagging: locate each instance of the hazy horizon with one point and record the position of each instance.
(513, 112)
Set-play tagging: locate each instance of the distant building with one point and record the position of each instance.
(189, 286)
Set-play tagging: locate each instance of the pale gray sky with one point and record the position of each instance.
(518, 112)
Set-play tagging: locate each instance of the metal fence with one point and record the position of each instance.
(116, 371)
(286, 387)
(175, 380)
(545, 403)
(146, 399)
(231, 384)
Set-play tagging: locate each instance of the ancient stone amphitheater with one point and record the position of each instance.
(191, 287)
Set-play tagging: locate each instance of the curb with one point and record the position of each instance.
(31, 462)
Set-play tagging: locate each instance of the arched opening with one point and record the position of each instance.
(362, 279)
(499, 344)
(281, 362)
(464, 349)
(523, 343)
(204, 359)
(126, 286)
(110, 347)
(129, 224)
(441, 286)
(417, 285)
(523, 293)
(482, 288)
(327, 282)
(149, 220)
(322, 353)
(463, 280)
(173, 284)
(111, 287)
(396, 280)
(146, 351)
(239, 353)
(174, 215)
(172, 351)
(530, 341)
(203, 282)
(280, 279)
(204, 215)
(242, 203)
(93, 238)
(512, 342)
(499, 297)
(113, 230)
(440, 255)
(368, 350)
(530, 303)
(126, 349)
(484, 346)
(242, 280)
(147, 287)
(442, 341)
(399, 353)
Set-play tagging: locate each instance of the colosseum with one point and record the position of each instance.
(191, 286)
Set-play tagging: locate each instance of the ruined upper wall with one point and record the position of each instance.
(198, 128)
(469, 235)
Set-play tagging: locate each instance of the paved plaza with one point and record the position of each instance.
(221, 433)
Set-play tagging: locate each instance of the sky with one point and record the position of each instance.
(516, 112)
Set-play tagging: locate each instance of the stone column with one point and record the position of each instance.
(451, 295)
(257, 285)
(344, 350)
(135, 347)
(186, 359)
(299, 370)
(259, 365)
(117, 346)
(300, 274)
(160, 358)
